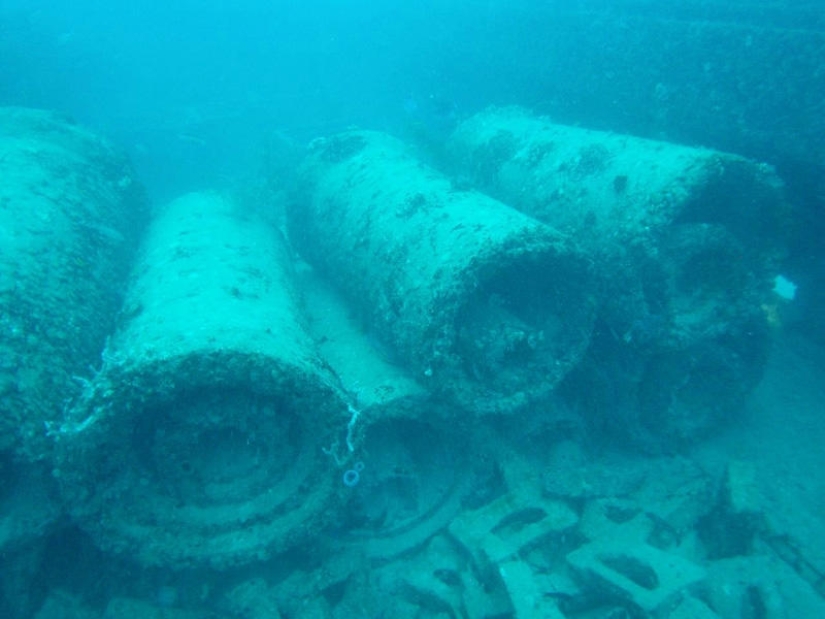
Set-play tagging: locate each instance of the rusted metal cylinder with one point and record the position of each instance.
(201, 442)
(482, 304)
(410, 467)
(613, 190)
(683, 238)
(70, 214)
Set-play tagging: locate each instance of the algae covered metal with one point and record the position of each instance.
(481, 303)
(684, 239)
(201, 440)
(610, 189)
(70, 209)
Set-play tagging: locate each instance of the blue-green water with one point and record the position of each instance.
(554, 350)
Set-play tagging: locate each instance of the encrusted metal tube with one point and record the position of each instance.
(201, 441)
(481, 303)
(70, 214)
(683, 238)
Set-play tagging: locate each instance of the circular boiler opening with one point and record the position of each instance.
(217, 446)
(525, 324)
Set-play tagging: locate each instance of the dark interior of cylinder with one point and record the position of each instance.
(523, 319)
(217, 446)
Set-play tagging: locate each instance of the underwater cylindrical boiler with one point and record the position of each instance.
(612, 188)
(70, 214)
(670, 226)
(410, 469)
(202, 441)
(481, 303)
(684, 239)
